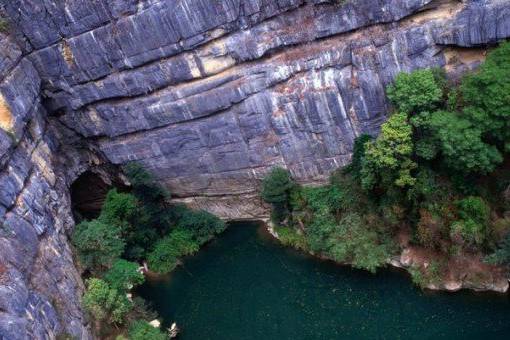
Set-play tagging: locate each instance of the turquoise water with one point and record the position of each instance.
(244, 285)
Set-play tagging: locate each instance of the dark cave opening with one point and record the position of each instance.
(88, 193)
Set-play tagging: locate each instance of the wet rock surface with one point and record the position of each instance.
(207, 94)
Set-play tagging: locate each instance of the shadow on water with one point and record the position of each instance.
(244, 285)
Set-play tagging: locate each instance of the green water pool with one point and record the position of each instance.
(244, 285)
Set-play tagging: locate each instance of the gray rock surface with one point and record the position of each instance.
(208, 94)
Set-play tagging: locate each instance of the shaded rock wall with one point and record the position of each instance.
(208, 94)
(39, 286)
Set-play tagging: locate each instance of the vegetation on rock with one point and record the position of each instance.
(437, 168)
(135, 226)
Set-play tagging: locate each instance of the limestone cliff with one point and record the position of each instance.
(207, 94)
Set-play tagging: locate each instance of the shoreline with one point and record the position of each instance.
(405, 262)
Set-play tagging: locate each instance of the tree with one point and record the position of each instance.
(471, 226)
(142, 330)
(145, 186)
(276, 189)
(461, 145)
(119, 209)
(98, 244)
(358, 153)
(502, 254)
(105, 303)
(203, 225)
(388, 158)
(165, 256)
(352, 241)
(415, 92)
(486, 96)
(124, 275)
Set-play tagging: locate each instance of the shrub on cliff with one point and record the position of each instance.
(98, 244)
(165, 256)
(201, 224)
(486, 96)
(276, 189)
(105, 303)
(388, 160)
(471, 227)
(416, 92)
(124, 275)
(145, 186)
(142, 330)
(502, 254)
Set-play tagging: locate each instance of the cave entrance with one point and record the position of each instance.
(88, 193)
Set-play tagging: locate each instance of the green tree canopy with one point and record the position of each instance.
(486, 95)
(142, 330)
(98, 244)
(203, 225)
(165, 256)
(461, 144)
(105, 303)
(124, 275)
(276, 186)
(388, 158)
(415, 92)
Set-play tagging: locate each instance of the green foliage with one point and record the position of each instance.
(203, 225)
(124, 275)
(473, 208)
(105, 303)
(145, 186)
(486, 96)
(118, 208)
(416, 92)
(142, 330)
(471, 226)
(290, 237)
(502, 254)
(388, 158)
(277, 186)
(98, 244)
(4, 25)
(461, 144)
(165, 256)
(358, 153)
(353, 241)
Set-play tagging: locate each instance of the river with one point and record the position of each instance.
(245, 285)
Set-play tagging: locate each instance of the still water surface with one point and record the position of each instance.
(244, 285)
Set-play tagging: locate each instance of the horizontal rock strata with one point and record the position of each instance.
(207, 94)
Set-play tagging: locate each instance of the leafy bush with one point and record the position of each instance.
(474, 216)
(124, 275)
(502, 254)
(414, 92)
(351, 241)
(461, 144)
(118, 208)
(388, 158)
(165, 256)
(290, 237)
(201, 224)
(4, 25)
(98, 244)
(142, 330)
(276, 189)
(486, 99)
(145, 186)
(358, 153)
(105, 303)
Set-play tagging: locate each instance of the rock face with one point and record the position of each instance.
(207, 94)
